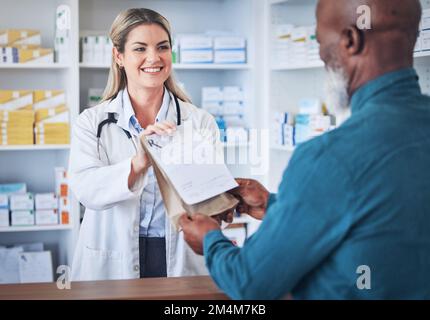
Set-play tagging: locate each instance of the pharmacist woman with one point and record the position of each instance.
(125, 233)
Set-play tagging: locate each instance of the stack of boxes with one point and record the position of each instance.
(23, 46)
(310, 122)
(283, 130)
(28, 117)
(52, 117)
(423, 41)
(96, 49)
(62, 193)
(201, 48)
(16, 117)
(227, 106)
(28, 209)
(295, 46)
(196, 49)
(229, 49)
(22, 209)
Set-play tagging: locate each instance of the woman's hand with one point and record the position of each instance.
(140, 162)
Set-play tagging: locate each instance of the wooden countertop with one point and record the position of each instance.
(184, 288)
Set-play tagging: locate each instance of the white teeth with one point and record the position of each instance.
(151, 70)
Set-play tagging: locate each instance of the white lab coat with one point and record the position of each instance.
(108, 244)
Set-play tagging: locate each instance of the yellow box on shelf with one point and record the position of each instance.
(20, 131)
(12, 37)
(15, 141)
(41, 55)
(45, 99)
(16, 100)
(17, 116)
(43, 139)
(48, 103)
(54, 130)
(51, 128)
(43, 114)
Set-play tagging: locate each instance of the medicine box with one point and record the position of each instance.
(37, 56)
(192, 42)
(233, 94)
(16, 100)
(22, 218)
(230, 56)
(425, 40)
(46, 201)
(64, 210)
(21, 202)
(212, 94)
(196, 56)
(10, 37)
(425, 21)
(11, 188)
(4, 201)
(47, 217)
(229, 42)
(4, 218)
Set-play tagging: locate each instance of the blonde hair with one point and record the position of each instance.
(125, 22)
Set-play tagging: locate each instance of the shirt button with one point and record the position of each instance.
(136, 228)
(136, 268)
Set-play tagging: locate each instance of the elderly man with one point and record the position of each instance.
(351, 219)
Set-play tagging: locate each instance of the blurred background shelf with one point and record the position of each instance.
(35, 147)
(36, 228)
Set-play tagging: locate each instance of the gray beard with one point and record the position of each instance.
(336, 94)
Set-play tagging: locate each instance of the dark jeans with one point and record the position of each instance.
(152, 257)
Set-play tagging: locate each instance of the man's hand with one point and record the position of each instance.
(226, 216)
(253, 198)
(195, 230)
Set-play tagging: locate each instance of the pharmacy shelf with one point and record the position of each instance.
(293, 2)
(422, 54)
(210, 66)
(35, 147)
(283, 148)
(183, 66)
(34, 66)
(235, 145)
(36, 228)
(313, 65)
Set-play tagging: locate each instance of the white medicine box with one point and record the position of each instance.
(22, 218)
(4, 201)
(47, 217)
(4, 218)
(46, 201)
(21, 202)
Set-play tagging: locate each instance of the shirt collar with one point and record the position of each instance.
(391, 81)
(124, 117)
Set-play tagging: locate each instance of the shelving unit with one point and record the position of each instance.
(36, 228)
(182, 66)
(287, 84)
(34, 164)
(33, 147)
(33, 66)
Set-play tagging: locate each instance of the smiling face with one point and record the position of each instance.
(147, 56)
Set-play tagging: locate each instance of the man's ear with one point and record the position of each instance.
(352, 40)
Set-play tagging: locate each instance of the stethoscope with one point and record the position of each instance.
(111, 119)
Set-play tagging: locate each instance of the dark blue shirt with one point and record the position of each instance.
(354, 199)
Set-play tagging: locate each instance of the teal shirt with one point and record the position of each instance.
(358, 195)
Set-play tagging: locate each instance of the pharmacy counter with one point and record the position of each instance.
(186, 288)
